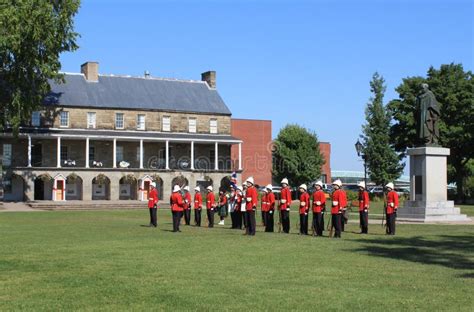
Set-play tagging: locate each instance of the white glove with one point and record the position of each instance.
(306, 214)
(392, 205)
(303, 204)
(318, 203)
(271, 211)
(287, 209)
(249, 199)
(283, 201)
(335, 203)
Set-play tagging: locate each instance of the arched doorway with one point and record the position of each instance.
(101, 187)
(73, 187)
(179, 180)
(128, 187)
(43, 187)
(59, 188)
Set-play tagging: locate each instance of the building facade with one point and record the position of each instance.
(105, 137)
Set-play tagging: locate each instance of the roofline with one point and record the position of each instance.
(244, 119)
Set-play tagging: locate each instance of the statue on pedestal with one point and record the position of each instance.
(428, 117)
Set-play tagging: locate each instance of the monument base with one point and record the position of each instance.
(431, 211)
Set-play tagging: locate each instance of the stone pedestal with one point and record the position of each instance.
(428, 188)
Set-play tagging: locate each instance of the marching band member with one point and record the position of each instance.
(222, 206)
(285, 203)
(336, 210)
(363, 208)
(304, 206)
(187, 205)
(153, 204)
(197, 205)
(319, 204)
(177, 206)
(251, 198)
(210, 205)
(392, 206)
(264, 206)
(270, 209)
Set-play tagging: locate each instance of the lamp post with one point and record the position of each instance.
(360, 152)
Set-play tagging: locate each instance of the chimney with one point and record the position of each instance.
(90, 71)
(210, 78)
(147, 74)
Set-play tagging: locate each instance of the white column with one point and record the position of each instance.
(87, 152)
(240, 156)
(192, 155)
(29, 150)
(141, 154)
(167, 155)
(58, 155)
(216, 157)
(114, 154)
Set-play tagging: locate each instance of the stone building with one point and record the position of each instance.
(107, 137)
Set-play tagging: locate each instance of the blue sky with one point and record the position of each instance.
(305, 62)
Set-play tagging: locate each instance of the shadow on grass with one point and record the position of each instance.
(444, 250)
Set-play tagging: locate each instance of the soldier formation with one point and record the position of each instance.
(242, 202)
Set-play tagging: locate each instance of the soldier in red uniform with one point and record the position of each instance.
(336, 209)
(363, 208)
(239, 197)
(392, 206)
(269, 223)
(319, 205)
(264, 206)
(197, 205)
(285, 203)
(222, 206)
(177, 207)
(304, 206)
(187, 205)
(210, 205)
(251, 198)
(153, 204)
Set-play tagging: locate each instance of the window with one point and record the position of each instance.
(192, 125)
(35, 119)
(141, 122)
(91, 120)
(91, 153)
(64, 119)
(118, 120)
(64, 153)
(119, 156)
(166, 123)
(213, 126)
(7, 155)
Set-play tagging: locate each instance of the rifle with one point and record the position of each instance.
(332, 228)
(279, 217)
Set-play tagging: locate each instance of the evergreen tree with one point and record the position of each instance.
(383, 163)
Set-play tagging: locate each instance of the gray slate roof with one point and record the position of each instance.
(137, 93)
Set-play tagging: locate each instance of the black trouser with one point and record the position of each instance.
(263, 218)
(318, 223)
(269, 221)
(285, 220)
(364, 221)
(336, 223)
(176, 220)
(210, 217)
(303, 224)
(197, 216)
(391, 223)
(251, 222)
(187, 216)
(153, 220)
(238, 219)
(244, 219)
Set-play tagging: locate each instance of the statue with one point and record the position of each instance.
(428, 116)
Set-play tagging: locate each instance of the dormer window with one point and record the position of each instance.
(91, 117)
(166, 123)
(213, 126)
(192, 125)
(64, 119)
(141, 122)
(119, 121)
(35, 119)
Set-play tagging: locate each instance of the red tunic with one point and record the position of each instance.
(363, 200)
(265, 202)
(392, 202)
(211, 201)
(197, 201)
(251, 198)
(338, 198)
(271, 201)
(222, 200)
(285, 201)
(177, 203)
(320, 197)
(152, 198)
(187, 200)
(238, 202)
(304, 203)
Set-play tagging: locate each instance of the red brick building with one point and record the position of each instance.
(257, 150)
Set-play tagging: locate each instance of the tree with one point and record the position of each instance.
(382, 161)
(296, 155)
(32, 36)
(454, 90)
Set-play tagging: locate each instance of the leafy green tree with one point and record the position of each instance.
(296, 155)
(32, 36)
(454, 90)
(383, 163)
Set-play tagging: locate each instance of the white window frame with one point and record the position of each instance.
(166, 123)
(192, 125)
(91, 120)
(122, 121)
(119, 153)
(7, 154)
(62, 115)
(213, 128)
(36, 119)
(141, 124)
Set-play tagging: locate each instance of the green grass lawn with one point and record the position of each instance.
(105, 260)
